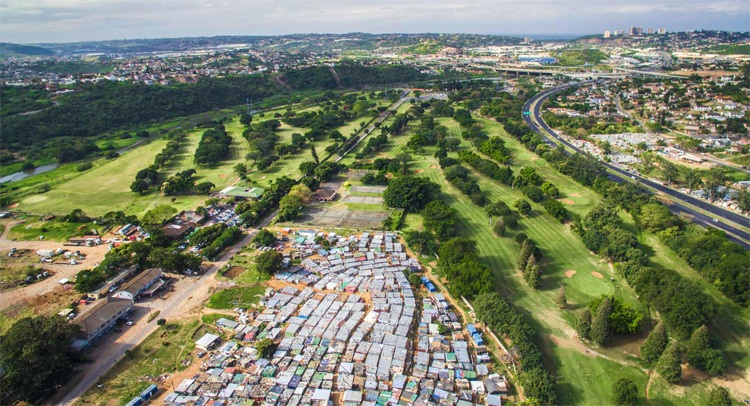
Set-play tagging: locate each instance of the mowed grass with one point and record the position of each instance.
(585, 379)
(107, 187)
(54, 230)
(164, 351)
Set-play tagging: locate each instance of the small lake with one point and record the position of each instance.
(23, 175)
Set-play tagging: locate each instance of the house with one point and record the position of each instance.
(146, 283)
(324, 194)
(207, 342)
(101, 319)
(178, 229)
(239, 192)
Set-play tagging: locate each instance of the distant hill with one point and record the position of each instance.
(8, 49)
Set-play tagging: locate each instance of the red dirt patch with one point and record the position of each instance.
(234, 272)
(433, 167)
(569, 273)
(597, 274)
(567, 201)
(223, 176)
(418, 171)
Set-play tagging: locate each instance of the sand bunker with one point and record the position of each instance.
(433, 167)
(575, 195)
(597, 274)
(418, 171)
(567, 201)
(569, 273)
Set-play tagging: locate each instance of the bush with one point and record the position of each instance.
(84, 166)
(161, 322)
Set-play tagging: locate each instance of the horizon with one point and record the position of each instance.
(533, 36)
(48, 21)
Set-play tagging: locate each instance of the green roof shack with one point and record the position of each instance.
(239, 192)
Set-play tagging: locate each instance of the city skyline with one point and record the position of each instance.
(90, 20)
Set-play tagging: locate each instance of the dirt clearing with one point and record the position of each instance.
(569, 273)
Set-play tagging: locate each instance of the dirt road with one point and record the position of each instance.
(188, 297)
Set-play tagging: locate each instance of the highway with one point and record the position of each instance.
(682, 202)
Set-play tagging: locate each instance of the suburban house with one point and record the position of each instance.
(239, 192)
(146, 283)
(101, 319)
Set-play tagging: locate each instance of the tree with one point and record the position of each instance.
(583, 326)
(702, 355)
(36, 356)
(439, 219)
(537, 384)
(560, 299)
(269, 262)
(669, 363)
(719, 397)
(264, 238)
(624, 393)
(499, 227)
(307, 168)
(139, 186)
(314, 154)
(415, 280)
(410, 193)
(523, 206)
(533, 275)
(240, 169)
(158, 215)
(264, 347)
(656, 217)
(600, 326)
(89, 280)
(246, 119)
(161, 322)
(204, 187)
(421, 241)
(290, 206)
(655, 343)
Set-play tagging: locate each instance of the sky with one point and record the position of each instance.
(36, 21)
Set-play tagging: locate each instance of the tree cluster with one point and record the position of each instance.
(459, 177)
(498, 314)
(459, 261)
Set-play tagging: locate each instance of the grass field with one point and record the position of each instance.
(55, 230)
(170, 345)
(236, 297)
(107, 187)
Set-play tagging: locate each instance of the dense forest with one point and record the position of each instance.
(110, 106)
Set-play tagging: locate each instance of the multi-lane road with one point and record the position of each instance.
(735, 225)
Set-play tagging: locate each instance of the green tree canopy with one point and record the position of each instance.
(583, 326)
(439, 219)
(669, 363)
(624, 393)
(410, 193)
(702, 354)
(719, 397)
(264, 238)
(159, 215)
(655, 343)
(269, 262)
(600, 326)
(35, 354)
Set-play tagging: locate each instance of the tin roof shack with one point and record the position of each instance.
(102, 317)
(207, 342)
(145, 283)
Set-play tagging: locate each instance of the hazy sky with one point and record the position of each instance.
(29, 21)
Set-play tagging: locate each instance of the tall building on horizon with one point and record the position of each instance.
(607, 34)
(662, 31)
